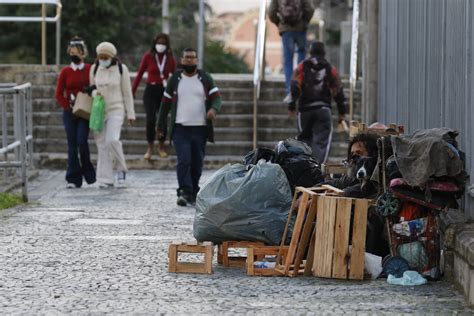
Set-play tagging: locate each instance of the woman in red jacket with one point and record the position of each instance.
(160, 64)
(72, 79)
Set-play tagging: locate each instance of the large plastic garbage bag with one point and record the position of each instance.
(236, 204)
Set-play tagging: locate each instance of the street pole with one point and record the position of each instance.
(371, 61)
(165, 17)
(201, 34)
(43, 34)
(58, 41)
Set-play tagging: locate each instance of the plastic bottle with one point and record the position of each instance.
(264, 265)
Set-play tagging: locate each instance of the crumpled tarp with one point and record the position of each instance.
(427, 153)
(409, 278)
(236, 204)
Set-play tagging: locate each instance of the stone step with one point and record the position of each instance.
(138, 147)
(224, 120)
(221, 133)
(228, 106)
(59, 161)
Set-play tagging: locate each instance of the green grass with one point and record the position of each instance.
(8, 200)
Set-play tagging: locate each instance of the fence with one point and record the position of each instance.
(16, 153)
(426, 70)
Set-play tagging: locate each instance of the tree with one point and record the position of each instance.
(130, 25)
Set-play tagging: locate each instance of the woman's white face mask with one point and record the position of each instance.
(105, 63)
(160, 48)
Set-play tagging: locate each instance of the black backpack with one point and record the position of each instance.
(290, 11)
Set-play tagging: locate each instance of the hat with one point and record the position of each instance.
(317, 49)
(106, 48)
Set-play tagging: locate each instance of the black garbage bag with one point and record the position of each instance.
(240, 204)
(298, 164)
(252, 157)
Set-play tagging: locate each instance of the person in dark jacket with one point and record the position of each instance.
(315, 83)
(194, 100)
(292, 18)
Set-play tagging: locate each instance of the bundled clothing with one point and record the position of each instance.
(73, 79)
(189, 98)
(113, 83)
(315, 83)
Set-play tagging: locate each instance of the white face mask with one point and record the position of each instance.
(105, 63)
(160, 48)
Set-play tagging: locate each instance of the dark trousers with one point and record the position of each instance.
(315, 129)
(77, 132)
(152, 100)
(190, 145)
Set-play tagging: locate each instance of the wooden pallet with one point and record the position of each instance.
(337, 217)
(294, 262)
(236, 262)
(258, 253)
(206, 248)
(359, 128)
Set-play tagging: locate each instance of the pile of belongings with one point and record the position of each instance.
(425, 174)
(251, 201)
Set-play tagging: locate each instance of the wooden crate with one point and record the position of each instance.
(206, 248)
(291, 261)
(235, 262)
(337, 217)
(358, 128)
(258, 253)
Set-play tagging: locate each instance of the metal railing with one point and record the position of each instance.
(353, 66)
(258, 70)
(16, 149)
(43, 19)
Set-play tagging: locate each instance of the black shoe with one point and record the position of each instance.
(182, 201)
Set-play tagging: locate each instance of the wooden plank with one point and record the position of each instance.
(341, 241)
(250, 261)
(330, 221)
(279, 261)
(208, 259)
(319, 237)
(191, 248)
(308, 191)
(310, 258)
(295, 237)
(224, 253)
(358, 240)
(331, 188)
(172, 258)
(190, 267)
(306, 234)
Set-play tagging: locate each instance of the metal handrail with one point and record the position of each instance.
(22, 143)
(353, 64)
(43, 19)
(258, 71)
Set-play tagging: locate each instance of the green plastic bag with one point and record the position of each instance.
(97, 118)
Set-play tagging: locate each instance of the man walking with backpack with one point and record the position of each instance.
(292, 18)
(315, 82)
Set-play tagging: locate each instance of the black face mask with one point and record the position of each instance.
(75, 59)
(189, 69)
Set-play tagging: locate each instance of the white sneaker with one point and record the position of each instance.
(105, 185)
(288, 98)
(121, 179)
(70, 185)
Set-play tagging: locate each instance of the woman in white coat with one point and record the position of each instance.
(111, 79)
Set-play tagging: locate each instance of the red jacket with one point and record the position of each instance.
(149, 64)
(70, 82)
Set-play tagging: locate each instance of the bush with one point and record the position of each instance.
(8, 200)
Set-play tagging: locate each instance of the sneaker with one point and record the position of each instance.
(181, 201)
(288, 99)
(121, 179)
(105, 185)
(70, 185)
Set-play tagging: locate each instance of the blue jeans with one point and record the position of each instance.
(190, 145)
(77, 132)
(290, 40)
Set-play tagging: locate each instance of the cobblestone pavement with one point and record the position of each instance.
(95, 251)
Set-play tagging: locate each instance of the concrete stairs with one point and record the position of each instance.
(233, 126)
